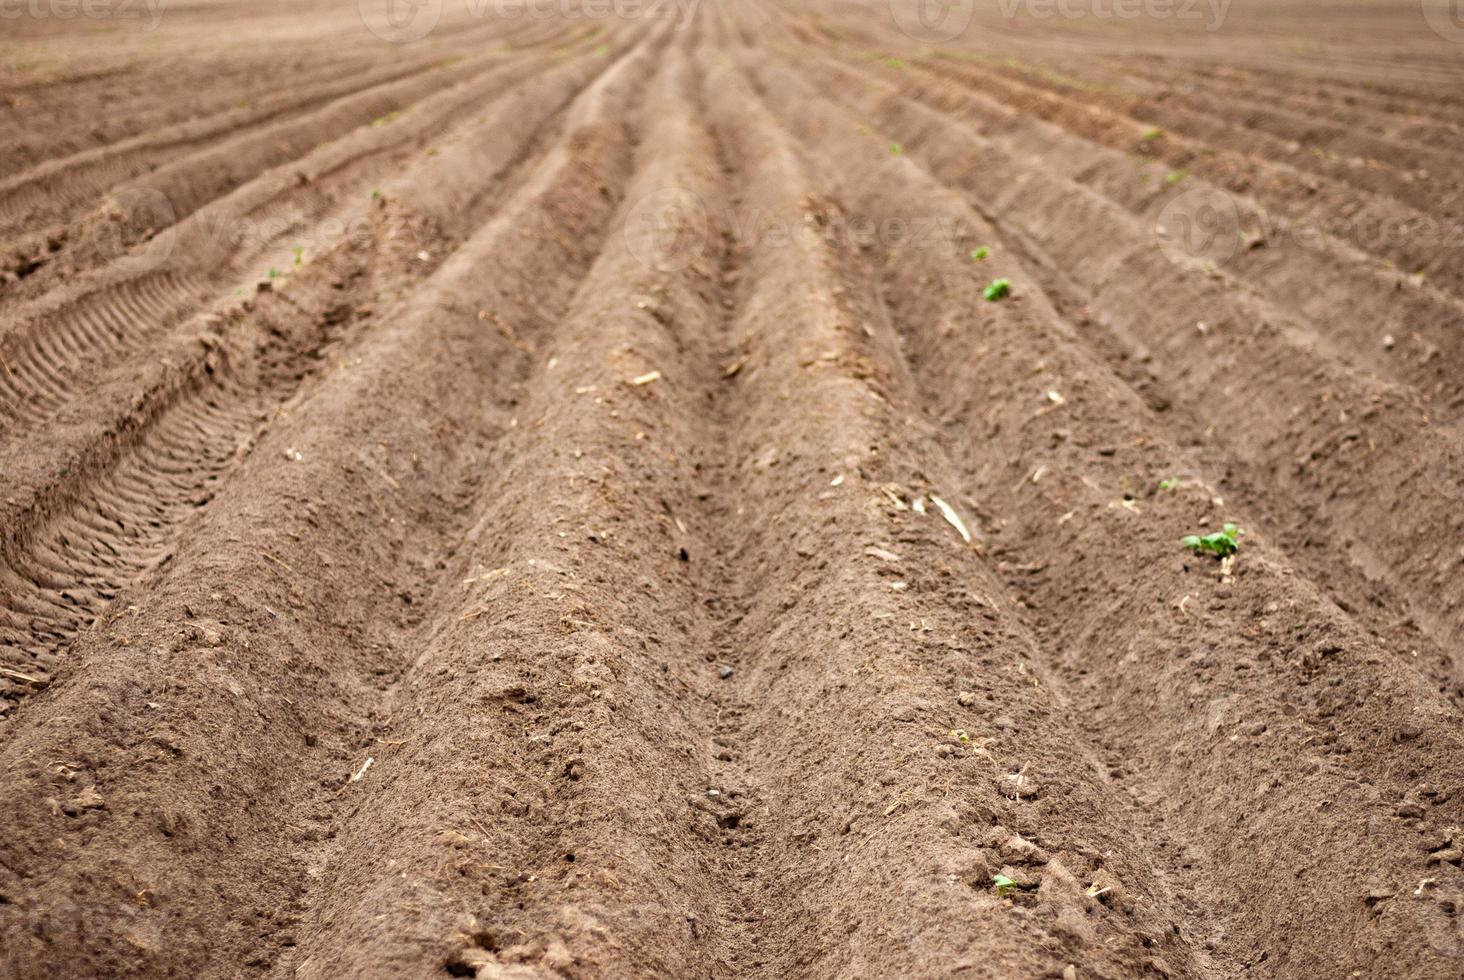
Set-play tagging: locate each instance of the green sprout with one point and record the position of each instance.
(1175, 176)
(1221, 544)
(1152, 134)
(1004, 885)
(299, 256)
(980, 254)
(896, 149)
(272, 274)
(1169, 484)
(376, 193)
(999, 289)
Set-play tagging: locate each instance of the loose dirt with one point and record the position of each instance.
(552, 498)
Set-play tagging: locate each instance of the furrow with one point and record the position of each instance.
(1298, 446)
(1305, 201)
(1184, 674)
(279, 626)
(206, 395)
(313, 200)
(876, 852)
(1205, 124)
(144, 206)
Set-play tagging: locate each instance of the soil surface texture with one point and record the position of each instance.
(696, 490)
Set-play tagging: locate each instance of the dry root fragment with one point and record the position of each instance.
(27, 678)
(952, 518)
(357, 776)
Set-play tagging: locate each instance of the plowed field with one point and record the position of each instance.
(509, 491)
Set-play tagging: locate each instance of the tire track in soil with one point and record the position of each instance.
(431, 686)
(91, 323)
(218, 824)
(111, 520)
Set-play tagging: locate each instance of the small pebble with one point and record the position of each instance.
(724, 672)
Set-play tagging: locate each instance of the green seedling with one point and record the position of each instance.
(894, 62)
(980, 254)
(376, 193)
(299, 256)
(1150, 135)
(1221, 544)
(603, 49)
(1175, 176)
(1169, 484)
(1004, 885)
(896, 149)
(999, 289)
(272, 274)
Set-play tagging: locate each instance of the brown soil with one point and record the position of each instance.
(552, 499)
